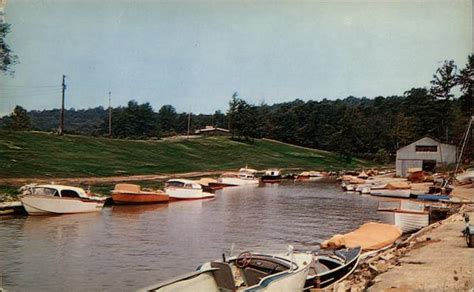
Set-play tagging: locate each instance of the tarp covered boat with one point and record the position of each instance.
(369, 236)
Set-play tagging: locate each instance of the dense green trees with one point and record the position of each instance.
(18, 120)
(7, 58)
(371, 128)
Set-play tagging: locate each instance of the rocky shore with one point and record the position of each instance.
(436, 258)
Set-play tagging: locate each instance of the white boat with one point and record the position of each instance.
(59, 199)
(409, 216)
(392, 189)
(246, 272)
(311, 176)
(397, 193)
(246, 176)
(183, 189)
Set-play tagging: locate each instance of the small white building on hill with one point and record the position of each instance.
(426, 154)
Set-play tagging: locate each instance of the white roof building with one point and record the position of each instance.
(426, 154)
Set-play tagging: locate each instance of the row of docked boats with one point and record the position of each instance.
(60, 199)
(248, 176)
(293, 271)
(399, 209)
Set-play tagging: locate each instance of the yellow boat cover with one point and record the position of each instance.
(370, 236)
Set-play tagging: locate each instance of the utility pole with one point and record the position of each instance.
(110, 114)
(61, 118)
(189, 124)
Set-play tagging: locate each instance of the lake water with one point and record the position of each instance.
(124, 248)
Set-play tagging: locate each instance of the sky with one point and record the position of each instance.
(195, 54)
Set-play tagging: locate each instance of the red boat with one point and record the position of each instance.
(130, 194)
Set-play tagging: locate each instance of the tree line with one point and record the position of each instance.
(370, 128)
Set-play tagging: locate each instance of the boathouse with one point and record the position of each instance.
(212, 131)
(425, 154)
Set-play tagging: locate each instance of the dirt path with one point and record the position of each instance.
(108, 179)
(443, 263)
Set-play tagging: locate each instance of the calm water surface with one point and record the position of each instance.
(127, 247)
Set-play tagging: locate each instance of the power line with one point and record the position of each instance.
(27, 86)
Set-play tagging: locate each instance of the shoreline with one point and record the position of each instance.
(435, 258)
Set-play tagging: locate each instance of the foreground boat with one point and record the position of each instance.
(246, 272)
(59, 199)
(246, 176)
(327, 270)
(409, 216)
(271, 176)
(183, 189)
(129, 194)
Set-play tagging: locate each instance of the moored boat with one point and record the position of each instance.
(393, 189)
(129, 194)
(327, 270)
(271, 176)
(183, 189)
(246, 272)
(310, 176)
(409, 216)
(246, 176)
(59, 199)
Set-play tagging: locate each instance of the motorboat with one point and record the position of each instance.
(328, 269)
(245, 176)
(183, 189)
(392, 189)
(246, 272)
(310, 176)
(271, 176)
(409, 216)
(210, 185)
(59, 199)
(129, 194)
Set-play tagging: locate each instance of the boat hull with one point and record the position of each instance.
(234, 181)
(219, 276)
(406, 220)
(46, 205)
(405, 193)
(342, 268)
(271, 179)
(137, 199)
(187, 194)
(309, 178)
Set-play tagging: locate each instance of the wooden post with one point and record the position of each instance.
(110, 114)
(61, 118)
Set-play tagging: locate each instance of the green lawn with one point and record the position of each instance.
(44, 155)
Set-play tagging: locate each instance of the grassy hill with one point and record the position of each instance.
(42, 155)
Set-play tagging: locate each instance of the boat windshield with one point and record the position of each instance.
(44, 192)
(69, 194)
(175, 184)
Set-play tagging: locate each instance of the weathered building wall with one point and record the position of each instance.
(409, 156)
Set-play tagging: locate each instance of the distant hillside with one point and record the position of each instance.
(36, 154)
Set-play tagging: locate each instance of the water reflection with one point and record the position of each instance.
(126, 247)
